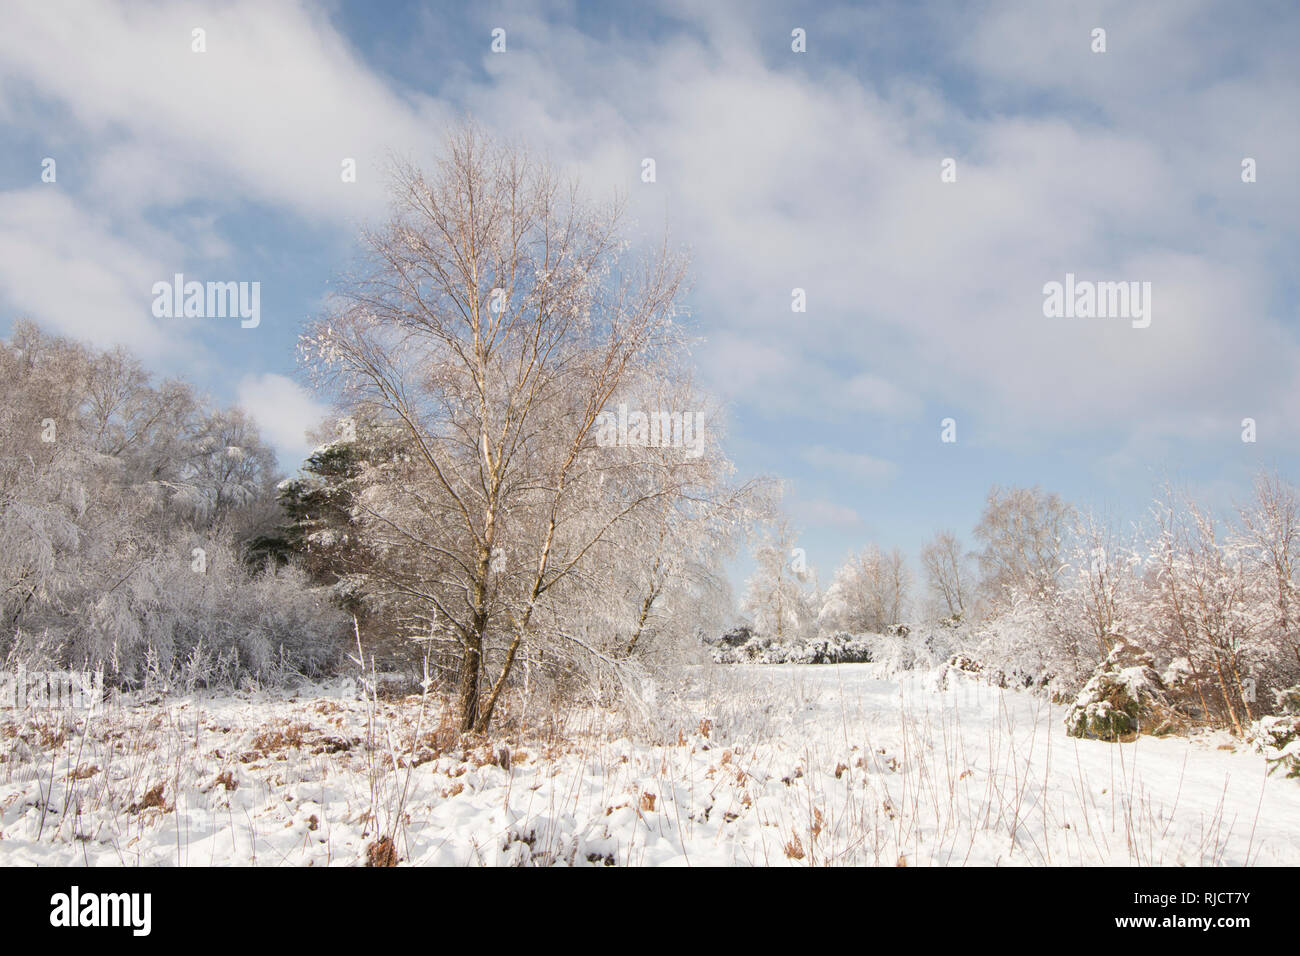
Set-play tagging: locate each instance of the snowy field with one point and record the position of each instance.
(802, 765)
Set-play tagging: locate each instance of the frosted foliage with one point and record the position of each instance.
(110, 488)
(781, 596)
(868, 593)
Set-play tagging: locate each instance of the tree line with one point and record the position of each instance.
(1051, 592)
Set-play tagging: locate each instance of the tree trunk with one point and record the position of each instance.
(646, 605)
(467, 693)
(1227, 697)
(489, 706)
(467, 700)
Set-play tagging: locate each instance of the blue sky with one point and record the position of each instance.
(818, 170)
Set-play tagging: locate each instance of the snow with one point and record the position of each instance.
(779, 764)
(1136, 681)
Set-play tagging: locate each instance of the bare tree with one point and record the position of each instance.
(780, 595)
(497, 322)
(1022, 530)
(946, 576)
(868, 593)
(1209, 607)
(1100, 594)
(1270, 530)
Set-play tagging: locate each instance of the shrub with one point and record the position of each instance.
(1278, 737)
(960, 665)
(1123, 697)
(743, 647)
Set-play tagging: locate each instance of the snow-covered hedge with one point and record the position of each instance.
(174, 623)
(916, 647)
(742, 646)
(899, 648)
(962, 666)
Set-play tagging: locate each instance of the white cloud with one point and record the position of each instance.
(783, 177)
(63, 266)
(157, 145)
(284, 412)
(782, 172)
(268, 112)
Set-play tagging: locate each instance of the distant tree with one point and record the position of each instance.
(781, 595)
(1270, 534)
(868, 593)
(1023, 531)
(947, 578)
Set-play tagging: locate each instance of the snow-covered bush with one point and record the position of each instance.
(755, 649)
(742, 646)
(1277, 737)
(898, 648)
(177, 621)
(837, 649)
(124, 506)
(1122, 699)
(1210, 609)
(916, 647)
(960, 666)
(1023, 647)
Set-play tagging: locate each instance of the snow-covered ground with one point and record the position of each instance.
(760, 765)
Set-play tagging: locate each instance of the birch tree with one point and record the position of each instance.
(496, 317)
